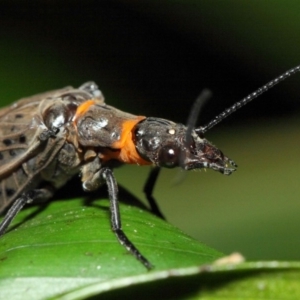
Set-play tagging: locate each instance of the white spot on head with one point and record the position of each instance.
(172, 131)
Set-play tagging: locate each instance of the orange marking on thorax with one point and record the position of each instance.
(127, 151)
(83, 108)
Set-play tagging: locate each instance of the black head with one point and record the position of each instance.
(165, 144)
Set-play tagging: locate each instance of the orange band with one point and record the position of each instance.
(127, 151)
(83, 108)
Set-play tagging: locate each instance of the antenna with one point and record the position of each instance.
(246, 100)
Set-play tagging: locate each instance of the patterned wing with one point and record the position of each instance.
(20, 127)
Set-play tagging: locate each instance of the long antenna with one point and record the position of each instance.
(246, 100)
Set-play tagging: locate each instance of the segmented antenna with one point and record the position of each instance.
(246, 100)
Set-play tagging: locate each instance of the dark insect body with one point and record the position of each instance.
(48, 138)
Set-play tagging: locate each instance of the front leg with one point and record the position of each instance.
(106, 174)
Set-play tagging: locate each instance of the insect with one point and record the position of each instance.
(48, 138)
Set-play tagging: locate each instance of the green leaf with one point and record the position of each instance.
(68, 251)
(70, 245)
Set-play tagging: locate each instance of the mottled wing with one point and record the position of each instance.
(20, 127)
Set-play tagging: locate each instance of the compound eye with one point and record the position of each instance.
(169, 156)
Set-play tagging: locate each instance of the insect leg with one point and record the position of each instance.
(148, 190)
(19, 203)
(108, 176)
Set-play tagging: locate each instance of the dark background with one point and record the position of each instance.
(154, 58)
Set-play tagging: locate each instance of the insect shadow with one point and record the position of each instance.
(74, 191)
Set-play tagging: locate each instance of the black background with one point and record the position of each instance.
(154, 57)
